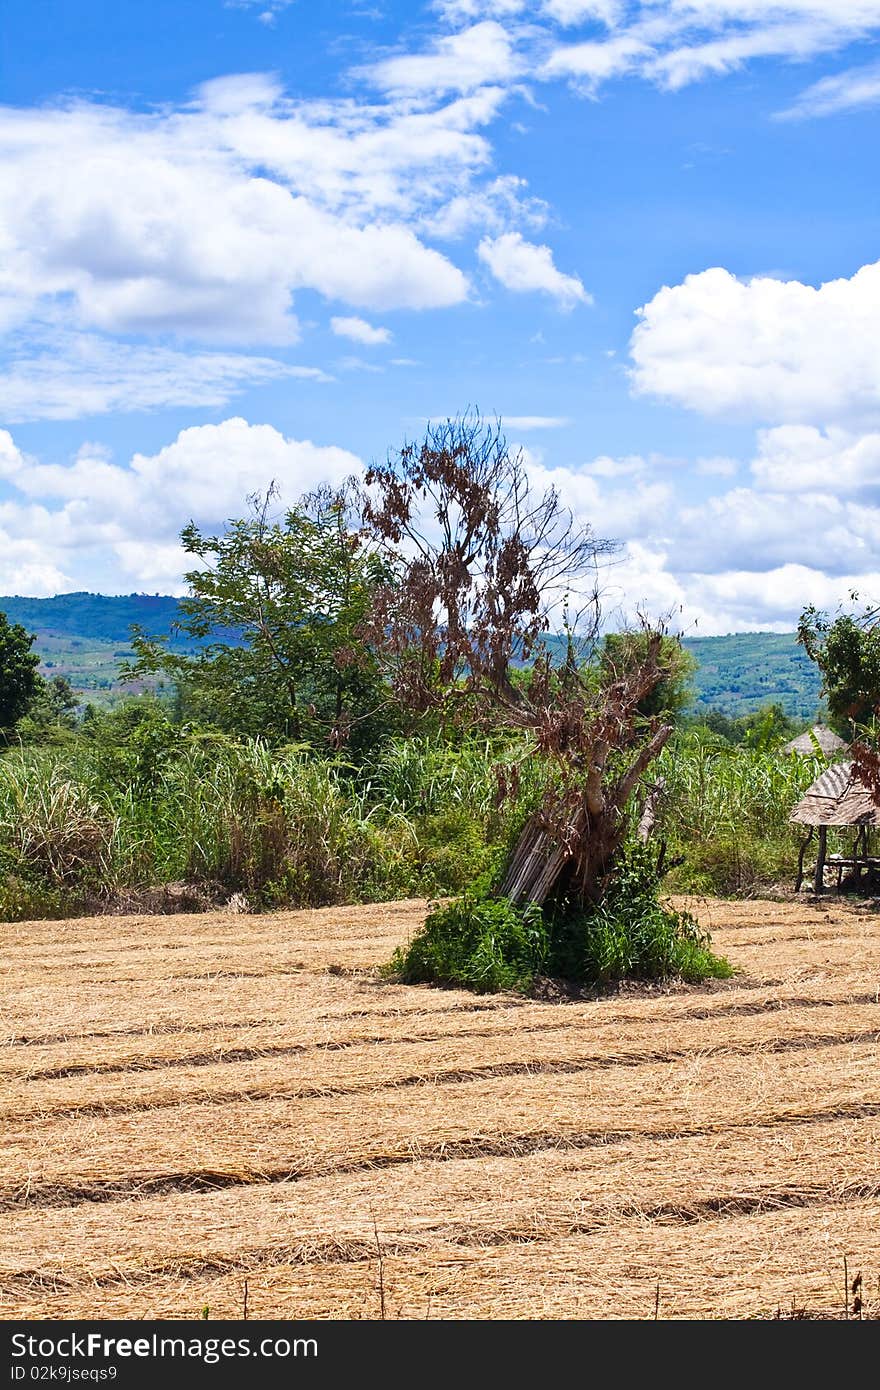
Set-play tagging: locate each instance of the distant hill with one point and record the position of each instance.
(101, 616)
(739, 673)
(85, 637)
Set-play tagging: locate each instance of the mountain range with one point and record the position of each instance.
(86, 636)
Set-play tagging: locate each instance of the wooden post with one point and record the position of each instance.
(819, 881)
(800, 871)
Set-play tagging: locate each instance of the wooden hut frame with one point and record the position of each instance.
(837, 798)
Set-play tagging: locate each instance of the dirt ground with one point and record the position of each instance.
(195, 1104)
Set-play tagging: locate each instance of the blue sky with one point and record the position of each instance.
(241, 242)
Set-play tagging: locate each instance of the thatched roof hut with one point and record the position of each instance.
(838, 797)
(827, 739)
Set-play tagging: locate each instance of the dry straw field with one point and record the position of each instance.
(192, 1104)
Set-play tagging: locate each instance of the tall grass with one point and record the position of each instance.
(87, 823)
(725, 812)
(279, 826)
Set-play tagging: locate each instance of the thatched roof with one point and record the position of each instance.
(826, 738)
(838, 797)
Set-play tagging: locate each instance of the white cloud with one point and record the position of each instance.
(608, 12)
(756, 530)
(631, 466)
(91, 516)
(676, 42)
(591, 63)
(521, 266)
(801, 458)
(268, 10)
(27, 568)
(464, 11)
(204, 221)
(474, 57)
(491, 208)
(736, 600)
(620, 513)
(360, 331)
(747, 559)
(534, 422)
(775, 351)
(72, 375)
(845, 91)
(743, 601)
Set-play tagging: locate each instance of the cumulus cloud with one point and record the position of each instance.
(203, 222)
(770, 350)
(27, 568)
(749, 558)
(163, 223)
(91, 516)
(478, 56)
(360, 331)
(735, 600)
(801, 458)
(521, 266)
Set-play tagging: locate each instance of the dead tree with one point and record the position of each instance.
(491, 619)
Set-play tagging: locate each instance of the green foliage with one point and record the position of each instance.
(19, 681)
(136, 801)
(764, 730)
(479, 943)
(52, 714)
(621, 651)
(629, 933)
(274, 606)
(487, 943)
(847, 652)
(133, 800)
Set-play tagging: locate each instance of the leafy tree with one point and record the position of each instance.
(671, 695)
(19, 680)
(767, 727)
(274, 602)
(847, 651)
(52, 713)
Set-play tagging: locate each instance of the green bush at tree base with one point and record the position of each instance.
(487, 943)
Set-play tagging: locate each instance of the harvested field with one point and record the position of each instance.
(192, 1101)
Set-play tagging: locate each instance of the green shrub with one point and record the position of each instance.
(486, 943)
(22, 900)
(631, 934)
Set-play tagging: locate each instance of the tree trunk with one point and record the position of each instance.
(543, 864)
(819, 879)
